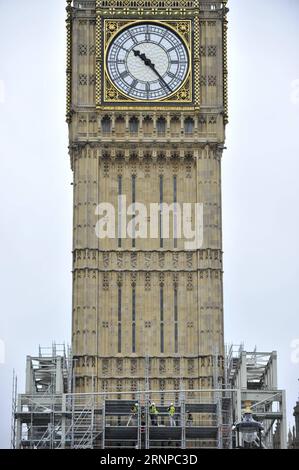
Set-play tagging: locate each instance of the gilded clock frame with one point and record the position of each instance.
(112, 95)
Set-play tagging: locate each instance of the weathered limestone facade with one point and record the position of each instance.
(146, 307)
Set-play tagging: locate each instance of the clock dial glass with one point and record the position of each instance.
(147, 61)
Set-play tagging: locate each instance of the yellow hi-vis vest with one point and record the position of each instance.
(171, 410)
(153, 410)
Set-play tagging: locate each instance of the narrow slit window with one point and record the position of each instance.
(175, 215)
(119, 212)
(161, 126)
(119, 315)
(162, 319)
(160, 212)
(134, 319)
(176, 320)
(106, 125)
(134, 125)
(133, 202)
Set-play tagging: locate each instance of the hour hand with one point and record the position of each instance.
(143, 57)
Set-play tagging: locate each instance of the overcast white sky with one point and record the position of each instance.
(260, 185)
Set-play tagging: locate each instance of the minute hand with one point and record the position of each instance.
(160, 77)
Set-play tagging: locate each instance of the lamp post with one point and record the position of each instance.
(249, 428)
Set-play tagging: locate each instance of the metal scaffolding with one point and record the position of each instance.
(254, 376)
(97, 420)
(50, 415)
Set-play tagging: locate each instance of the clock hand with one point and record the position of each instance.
(143, 57)
(160, 77)
(149, 63)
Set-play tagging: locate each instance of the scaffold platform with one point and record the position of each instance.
(50, 415)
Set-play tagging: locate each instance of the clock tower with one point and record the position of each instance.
(147, 109)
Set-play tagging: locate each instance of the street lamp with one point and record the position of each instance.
(248, 427)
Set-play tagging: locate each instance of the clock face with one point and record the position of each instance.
(147, 61)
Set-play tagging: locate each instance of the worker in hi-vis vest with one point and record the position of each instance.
(134, 414)
(153, 414)
(171, 412)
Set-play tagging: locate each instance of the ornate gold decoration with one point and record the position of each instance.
(112, 26)
(183, 94)
(69, 61)
(196, 61)
(153, 5)
(111, 29)
(112, 95)
(98, 60)
(225, 69)
(183, 28)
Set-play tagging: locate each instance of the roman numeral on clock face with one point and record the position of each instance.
(133, 84)
(124, 74)
(133, 39)
(147, 89)
(147, 34)
(163, 85)
(181, 62)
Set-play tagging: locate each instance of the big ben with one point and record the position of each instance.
(146, 109)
